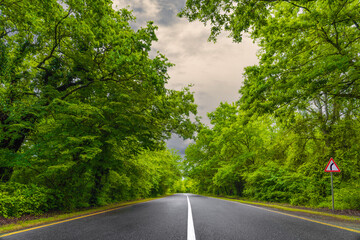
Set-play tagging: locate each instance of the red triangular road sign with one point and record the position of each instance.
(331, 166)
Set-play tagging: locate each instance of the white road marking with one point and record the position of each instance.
(190, 227)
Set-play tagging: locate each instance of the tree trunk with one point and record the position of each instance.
(12, 144)
(99, 176)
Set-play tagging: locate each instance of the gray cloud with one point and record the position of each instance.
(178, 144)
(162, 12)
(169, 10)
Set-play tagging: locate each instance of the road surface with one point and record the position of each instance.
(188, 217)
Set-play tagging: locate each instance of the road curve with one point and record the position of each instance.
(168, 218)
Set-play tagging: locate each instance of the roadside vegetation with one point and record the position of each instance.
(84, 111)
(297, 108)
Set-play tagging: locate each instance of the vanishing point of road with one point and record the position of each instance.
(188, 217)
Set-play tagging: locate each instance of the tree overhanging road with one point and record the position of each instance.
(168, 218)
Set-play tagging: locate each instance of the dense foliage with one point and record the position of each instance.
(84, 111)
(264, 159)
(299, 106)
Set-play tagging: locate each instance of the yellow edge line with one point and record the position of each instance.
(68, 220)
(290, 215)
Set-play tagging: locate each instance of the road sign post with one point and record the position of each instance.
(332, 191)
(332, 167)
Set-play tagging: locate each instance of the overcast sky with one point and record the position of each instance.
(215, 70)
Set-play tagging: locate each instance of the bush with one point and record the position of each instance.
(347, 197)
(18, 199)
(274, 183)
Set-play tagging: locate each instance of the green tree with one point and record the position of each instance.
(221, 157)
(74, 58)
(85, 111)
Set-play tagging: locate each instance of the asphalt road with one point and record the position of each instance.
(171, 218)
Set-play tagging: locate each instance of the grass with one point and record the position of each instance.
(291, 209)
(41, 221)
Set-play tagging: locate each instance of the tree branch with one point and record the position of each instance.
(56, 40)
(76, 89)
